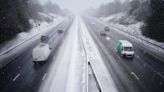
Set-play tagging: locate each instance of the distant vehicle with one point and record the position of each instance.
(106, 28)
(42, 51)
(44, 38)
(125, 48)
(103, 33)
(60, 31)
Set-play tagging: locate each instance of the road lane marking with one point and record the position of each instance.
(138, 56)
(16, 77)
(44, 76)
(144, 65)
(160, 75)
(135, 75)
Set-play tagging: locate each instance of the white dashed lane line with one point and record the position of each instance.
(132, 73)
(44, 77)
(160, 75)
(137, 56)
(16, 77)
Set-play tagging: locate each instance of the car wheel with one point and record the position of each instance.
(132, 57)
(124, 56)
(43, 61)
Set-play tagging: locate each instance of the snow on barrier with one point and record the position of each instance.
(141, 39)
(137, 36)
(155, 47)
(103, 77)
(44, 30)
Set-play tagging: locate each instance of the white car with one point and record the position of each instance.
(41, 52)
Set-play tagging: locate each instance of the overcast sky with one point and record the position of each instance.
(79, 5)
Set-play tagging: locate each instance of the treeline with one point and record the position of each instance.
(15, 16)
(108, 9)
(151, 12)
(140, 9)
(154, 27)
(50, 7)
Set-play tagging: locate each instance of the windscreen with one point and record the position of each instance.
(128, 48)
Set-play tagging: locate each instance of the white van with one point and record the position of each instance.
(42, 51)
(125, 48)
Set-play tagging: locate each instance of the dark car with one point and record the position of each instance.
(60, 31)
(44, 38)
(106, 28)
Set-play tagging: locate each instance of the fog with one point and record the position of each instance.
(78, 6)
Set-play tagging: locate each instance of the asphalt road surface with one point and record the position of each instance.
(21, 74)
(145, 73)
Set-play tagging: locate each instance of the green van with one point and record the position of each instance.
(125, 48)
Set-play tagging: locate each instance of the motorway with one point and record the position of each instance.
(21, 74)
(145, 73)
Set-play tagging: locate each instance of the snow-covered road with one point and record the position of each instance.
(69, 70)
(66, 72)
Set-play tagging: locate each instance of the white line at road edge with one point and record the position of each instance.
(16, 77)
(44, 76)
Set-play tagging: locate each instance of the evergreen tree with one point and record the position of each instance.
(15, 15)
(12, 18)
(155, 23)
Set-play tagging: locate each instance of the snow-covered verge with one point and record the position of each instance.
(133, 29)
(103, 77)
(121, 18)
(37, 28)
